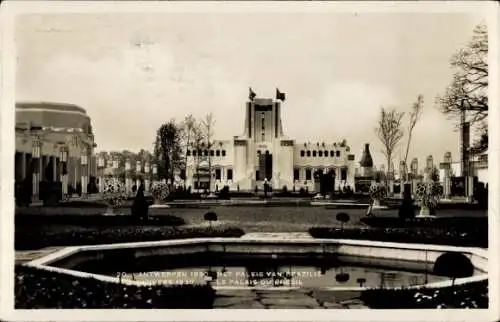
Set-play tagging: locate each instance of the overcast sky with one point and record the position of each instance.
(131, 72)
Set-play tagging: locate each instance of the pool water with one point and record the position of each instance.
(292, 276)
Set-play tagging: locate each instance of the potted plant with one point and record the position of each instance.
(113, 195)
(378, 191)
(428, 195)
(159, 192)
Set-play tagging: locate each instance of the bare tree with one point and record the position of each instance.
(208, 130)
(390, 133)
(198, 143)
(415, 114)
(468, 91)
(188, 128)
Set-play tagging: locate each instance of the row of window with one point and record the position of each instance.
(320, 153)
(229, 175)
(205, 153)
(296, 174)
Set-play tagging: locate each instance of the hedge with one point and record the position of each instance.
(467, 223)
(37, 239)
(95, 220)
(438, 236)
(39, 289)
(473, 295)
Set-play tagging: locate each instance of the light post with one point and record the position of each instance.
(138, 168)
(146, 176)
(84, 167)
(127, 176)
(100, 169)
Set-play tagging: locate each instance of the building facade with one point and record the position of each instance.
(55, 143)
(263, 153)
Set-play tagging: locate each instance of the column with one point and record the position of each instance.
(128, 180)
(23, 165)
(84, 168)
(54, 168)
(64, 170)
(37, 147)
(155, 173)
(138, 170)
(146, 177)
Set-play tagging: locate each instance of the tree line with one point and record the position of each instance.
(464, 100)
(174, 138)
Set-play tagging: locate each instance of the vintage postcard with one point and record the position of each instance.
(249, 161)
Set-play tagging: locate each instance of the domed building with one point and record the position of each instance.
(54, 143)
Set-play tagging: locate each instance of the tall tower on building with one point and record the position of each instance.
(366, 163)
(265, 154)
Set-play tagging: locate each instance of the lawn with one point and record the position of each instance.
(289, 219)
(259, 218)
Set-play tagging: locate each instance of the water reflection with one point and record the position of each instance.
(279, 275)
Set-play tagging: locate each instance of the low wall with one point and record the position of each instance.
(414, 256)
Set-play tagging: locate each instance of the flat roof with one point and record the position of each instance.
(50, 106)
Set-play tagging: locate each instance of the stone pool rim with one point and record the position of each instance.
(476, 256)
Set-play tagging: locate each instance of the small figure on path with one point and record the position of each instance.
(370, 208)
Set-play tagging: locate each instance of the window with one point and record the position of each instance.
(296, 174)
(326, 153)
(302, 153)
(337, 154)
(199, 153)
(258, 152)
(223, 153)
(194, 153)
(332, 153)
(217, 153)
(320, 153)
(205, 152)
(308, 153)
(308, 174)
(211, 153)
(217, 174)
(229, 174)
(188, 153)
(314, 153)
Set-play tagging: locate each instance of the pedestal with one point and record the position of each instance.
(84, 186)
(425, 212)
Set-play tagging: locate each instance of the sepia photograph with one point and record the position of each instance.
(254, 157)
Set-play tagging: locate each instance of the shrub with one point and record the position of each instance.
(40, 289)
(210, 217)
(160, 191)
(378, 191)
(114, 192)
(224, 193)
(428, 194)
(343, 217)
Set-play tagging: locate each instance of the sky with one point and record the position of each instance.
(132, 72)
